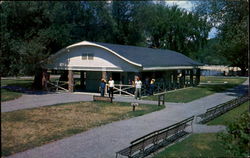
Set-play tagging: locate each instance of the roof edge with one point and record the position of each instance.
(87, 43)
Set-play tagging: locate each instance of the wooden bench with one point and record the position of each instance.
(100, 98)
(149, 143)
(220, 109)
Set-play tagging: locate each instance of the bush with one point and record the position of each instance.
(237, 138)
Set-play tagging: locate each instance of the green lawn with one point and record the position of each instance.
(230, 116)
(193, 93)
(26, 129)
(25, 83)
(196, 145)
(10, 95)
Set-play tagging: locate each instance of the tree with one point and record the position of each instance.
(209, 54)
(33, 30)
(231, 19)
(174, 28)
(237, 138)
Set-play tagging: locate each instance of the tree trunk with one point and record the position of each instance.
(37, 83)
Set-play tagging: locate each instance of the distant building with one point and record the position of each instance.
(94, 60)
(219, 70)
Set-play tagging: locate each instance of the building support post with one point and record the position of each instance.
(197, 78)
(175, 78)
(183, 78)
(191, 77)
(104, 76)
(70, 81)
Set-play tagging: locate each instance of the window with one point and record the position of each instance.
(87, 56)
(90, 56)
(84, 56)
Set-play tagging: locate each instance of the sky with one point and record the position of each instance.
(188, 5)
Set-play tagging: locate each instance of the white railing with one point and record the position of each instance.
(122, 88)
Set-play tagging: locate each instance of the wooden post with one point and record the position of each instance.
(175, 78)
(191, 77)
(183, 78)
(104, 76)
(70, 81)
(197, 78)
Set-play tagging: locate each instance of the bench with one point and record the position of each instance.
(100, 98)
(220, 109)
(149, 143)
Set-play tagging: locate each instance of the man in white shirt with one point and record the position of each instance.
(138, 85)
(111, 85)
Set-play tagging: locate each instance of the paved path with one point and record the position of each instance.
(104, 141)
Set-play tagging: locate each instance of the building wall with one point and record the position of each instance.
(71, 59)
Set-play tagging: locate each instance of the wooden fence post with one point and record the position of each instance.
(70, 81)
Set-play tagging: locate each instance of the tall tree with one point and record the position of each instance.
(174, 28)
(231, 19)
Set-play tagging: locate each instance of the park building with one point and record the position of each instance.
(82, 65)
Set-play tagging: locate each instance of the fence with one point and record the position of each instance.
(220, 109)
(149, 143)
(159, 87)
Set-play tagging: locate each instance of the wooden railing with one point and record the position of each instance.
(220, 109)
(124, 89)
(149, 143)
(56, 85)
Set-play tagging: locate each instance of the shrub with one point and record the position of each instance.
(237, 138)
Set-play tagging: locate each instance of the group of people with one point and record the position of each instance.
(137, 84)
(110, 86)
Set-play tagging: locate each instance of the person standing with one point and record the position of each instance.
(102, 87)
(111, 85)
(138, 85)
(152, 86)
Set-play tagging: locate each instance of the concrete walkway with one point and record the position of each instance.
(104, 141)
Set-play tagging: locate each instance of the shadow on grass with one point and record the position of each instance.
(232, 89)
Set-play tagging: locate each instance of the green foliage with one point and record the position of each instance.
(209, 54)
(33, 30)
(174, 28)
(231, 19)
(237, 138)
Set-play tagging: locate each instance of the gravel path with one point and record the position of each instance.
(104, 141)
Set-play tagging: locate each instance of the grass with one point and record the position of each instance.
(25, 83)
(193, 93)
(25, 129)
(204, 145)
(230, 116)
(196, 145)
(10, 95)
